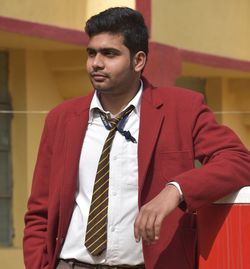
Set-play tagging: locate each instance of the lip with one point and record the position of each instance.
(98, 77)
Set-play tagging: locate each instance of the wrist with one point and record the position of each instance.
(173, 192)
(177, 186)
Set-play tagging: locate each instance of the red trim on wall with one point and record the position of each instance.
(144, 6)
(44, 31)
(164, 64)
(214, 60)
(164, 61)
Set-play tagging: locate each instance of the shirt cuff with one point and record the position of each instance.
(177, 185)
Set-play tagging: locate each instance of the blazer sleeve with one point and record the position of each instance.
(225, 161)
(34, 242)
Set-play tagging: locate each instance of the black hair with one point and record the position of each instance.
(121, 20)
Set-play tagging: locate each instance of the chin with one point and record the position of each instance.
(101, 88)
(104, 90)
(98, 85)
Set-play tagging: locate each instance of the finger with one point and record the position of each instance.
(136, 228)
(150, 228)
(157, 227)
(142, 226)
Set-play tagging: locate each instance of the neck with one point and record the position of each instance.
(115, 103)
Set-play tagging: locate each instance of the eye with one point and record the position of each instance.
(91, 53)
(110, 53)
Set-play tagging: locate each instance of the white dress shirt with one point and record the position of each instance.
(123, 192)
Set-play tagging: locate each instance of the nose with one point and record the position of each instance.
(98, 62)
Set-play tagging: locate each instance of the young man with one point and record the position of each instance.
(115, 184)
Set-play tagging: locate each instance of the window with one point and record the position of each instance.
(192, 83)
(5, 154)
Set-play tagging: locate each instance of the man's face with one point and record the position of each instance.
(109, 63)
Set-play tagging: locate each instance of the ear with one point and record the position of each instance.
(139, 61)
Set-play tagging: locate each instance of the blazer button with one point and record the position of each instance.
(61, 240)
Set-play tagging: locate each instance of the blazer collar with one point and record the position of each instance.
(149, 94)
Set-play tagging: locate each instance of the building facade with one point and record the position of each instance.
(202, 45)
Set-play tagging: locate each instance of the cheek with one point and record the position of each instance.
(120, 69)
(88, 66)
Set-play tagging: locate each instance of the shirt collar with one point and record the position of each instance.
(95, 103)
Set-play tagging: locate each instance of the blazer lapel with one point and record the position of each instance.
(75, 130)
(151, 119)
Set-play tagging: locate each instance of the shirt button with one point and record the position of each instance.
(115, 158)
(114, 193)
(112, 229)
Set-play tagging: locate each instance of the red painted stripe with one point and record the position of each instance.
(76, 37)
(164, 64)
(144, 6)
(42, 30)
(214, 60)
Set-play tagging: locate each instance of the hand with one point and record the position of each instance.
(149, 220)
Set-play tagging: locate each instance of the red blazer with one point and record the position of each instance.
(176, 128)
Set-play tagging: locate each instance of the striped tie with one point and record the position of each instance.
(96, 233)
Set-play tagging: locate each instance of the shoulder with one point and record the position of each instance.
(176, 93)
(72, 106)
(66, 110)
(170, 93)
(179, 99)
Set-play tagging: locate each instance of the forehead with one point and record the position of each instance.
(106, 40)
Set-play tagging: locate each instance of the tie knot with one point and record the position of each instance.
(122, 115)
(127, 111)
(113, 122)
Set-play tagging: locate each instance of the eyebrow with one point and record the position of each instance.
(103, 50)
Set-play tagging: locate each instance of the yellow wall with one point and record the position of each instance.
(213, 94)
(95, 6)
(17, 86)
(227, 93)
(42, 95)
(38, 81)
(215, 27)
(33, 89)
(11, 258)
(69, 72)
(236, 104)
(230, 100)
(43, 77)
(63, 13)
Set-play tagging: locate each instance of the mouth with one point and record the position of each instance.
(98, 77)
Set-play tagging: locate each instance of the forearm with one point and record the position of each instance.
(225, 161)
(219, 177)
